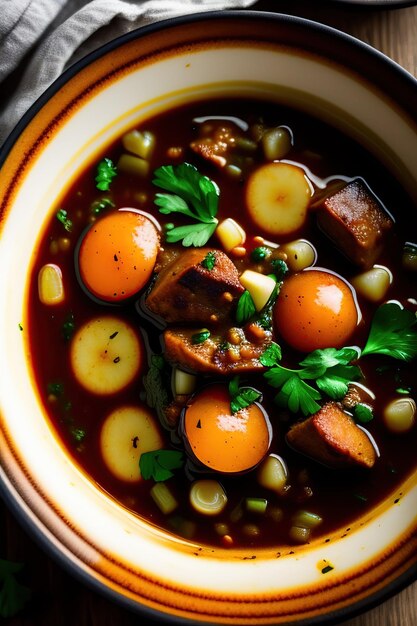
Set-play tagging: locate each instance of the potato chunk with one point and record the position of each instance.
(354, 219)
(331, 437)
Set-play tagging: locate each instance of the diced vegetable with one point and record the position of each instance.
(256, 505)
(164, 498)
(300, 254)
(105, 355)
(183, 383)
(127, 432)
(140, 143)
(400, 415)
(260, 287)
(230, 234)
(207, 497)
(306, 519)
(276, 143)
(277, 198)
(373, 284)
(50, 285)
(136, 166)
(300, 534)
(409, 258)
(273, 473)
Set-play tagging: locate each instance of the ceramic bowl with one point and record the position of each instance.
(326, 72)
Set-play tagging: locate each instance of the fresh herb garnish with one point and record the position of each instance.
(242, 397)
(265, 316)
(259, 254)
(78, 434)
(280, 268)
(13, 595)
(99, 206)
(363, 413)
(245, 308)
(393, 333)
(20, 327)
(327, 569)
(106, 171)
(192, 195)
(68, 327)
(62, 216)
(200, 337)
(55, 389)
(329, 369)
(159, 464)
(209, 260)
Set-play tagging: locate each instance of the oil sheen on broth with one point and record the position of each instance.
(211, 324)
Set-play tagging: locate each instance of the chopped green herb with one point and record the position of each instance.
(242, 397)
(192, 195)
(327, 569)
(200, 337)
(265, 316)
(13, 595)
(328, 368)
(62, 216)
(260, 254)
(245, 308)
(363, 413)
(20, 327)
(393, 333)
(209, 260)
(56, 389)
(68, 327)
(78, 434)
(159, 464)
(106, 171)
(98, 206)
(404, 391)
(361, 497)
(280, 268)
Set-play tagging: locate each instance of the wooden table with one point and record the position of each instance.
(58, 600)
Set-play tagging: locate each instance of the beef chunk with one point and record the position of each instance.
(354, 219)
(214, 356)
(331, 437)
(186, 291)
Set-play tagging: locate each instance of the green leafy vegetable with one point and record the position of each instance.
(106, 171)
(62, 216)
(200, 337)
(194, 196)
(242, 397)
(329, 369)
(13, 595)
(363, 413)
(99, 206)
(159, 464)
(393, 333)
(245, 308)
(209, 260)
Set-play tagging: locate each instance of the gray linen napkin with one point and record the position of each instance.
(41, 38)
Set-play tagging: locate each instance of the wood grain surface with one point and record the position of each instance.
(58, 599)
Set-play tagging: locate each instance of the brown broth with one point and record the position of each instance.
(337, 497)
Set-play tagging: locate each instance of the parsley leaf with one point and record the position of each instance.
(393, 333)
(329, 369)
(242, 397)
(13, 595)
(245, 308)
(363, 413)
(62, 216)
(159, 464)
(195, 196)
(209, 260)
(106, 171)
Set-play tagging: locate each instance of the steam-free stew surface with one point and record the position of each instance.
(314, 496)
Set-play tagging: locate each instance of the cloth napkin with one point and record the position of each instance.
(41, 38)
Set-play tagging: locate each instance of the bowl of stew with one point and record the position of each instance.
(208, 330)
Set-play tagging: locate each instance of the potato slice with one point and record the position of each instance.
(277, 197)
(106, 355)
(126, 433)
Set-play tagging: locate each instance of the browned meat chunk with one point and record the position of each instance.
(331, 437)
(186, 291)
(356, 222)
(214, 356)
(215, 147)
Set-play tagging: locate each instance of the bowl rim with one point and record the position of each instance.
(14, 501)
